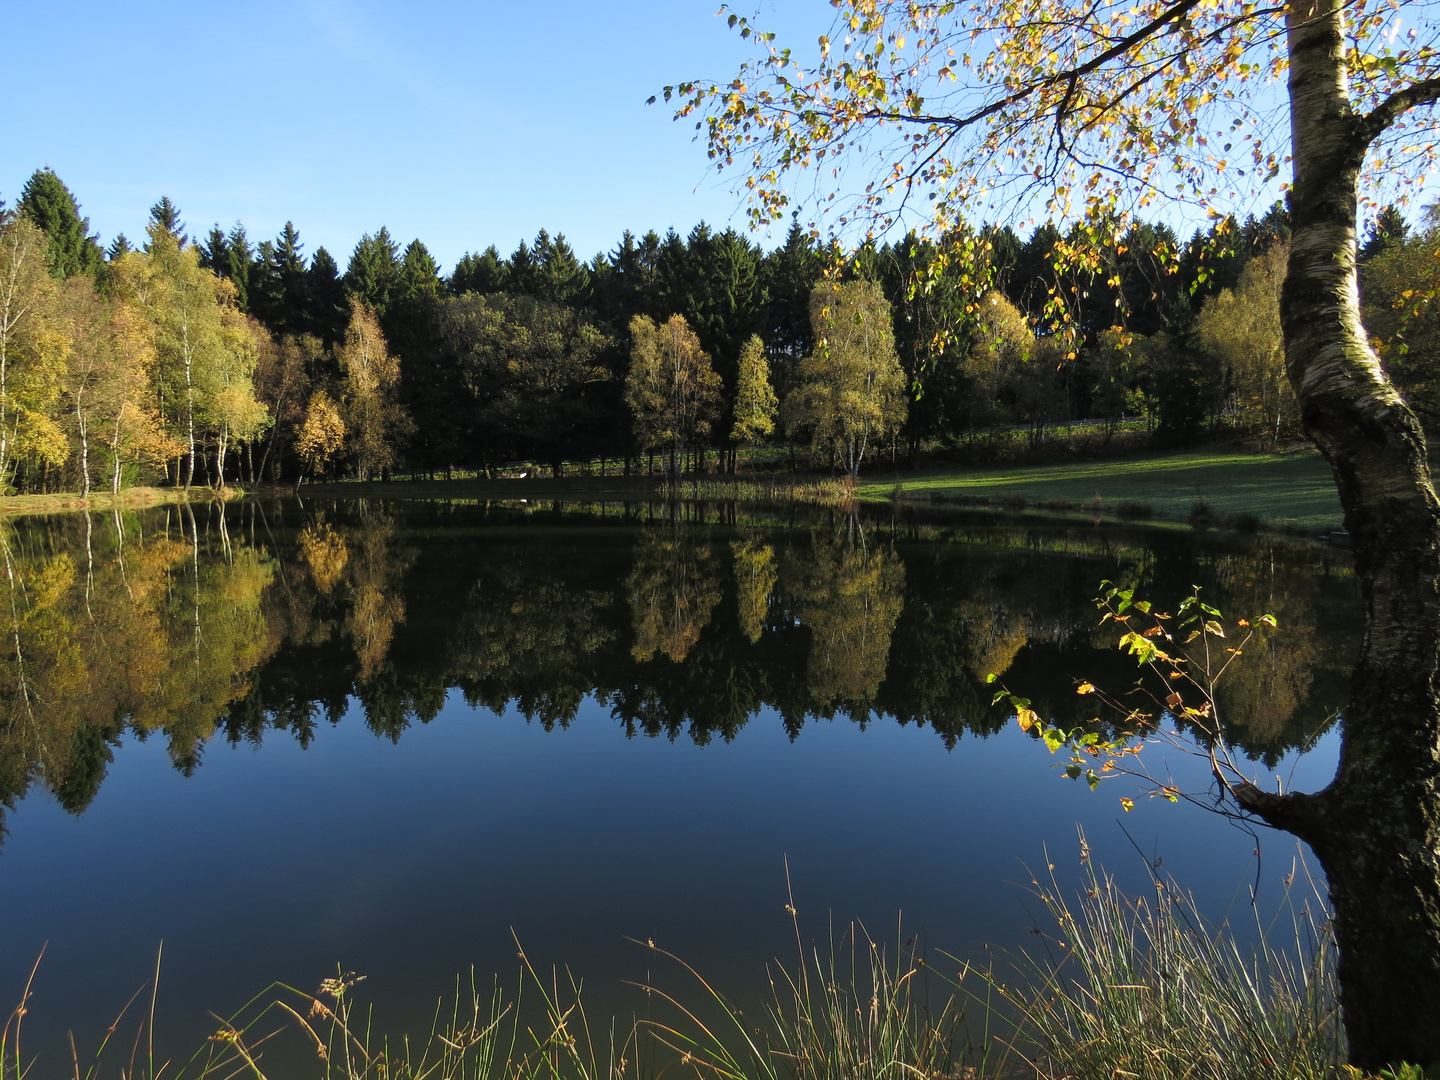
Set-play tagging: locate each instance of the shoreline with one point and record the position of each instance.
(136, 498)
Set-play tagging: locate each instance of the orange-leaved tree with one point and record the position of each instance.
(1089, 113)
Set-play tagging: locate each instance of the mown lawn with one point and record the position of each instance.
(1293, 489)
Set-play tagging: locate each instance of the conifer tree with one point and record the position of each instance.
(789, 276)
(521, 269)
(230, 257)
(559, 276)
(1388, 229)
(47, 202)
(629, 288)
(238, 260)
(212, 250)
(263, 293)
(166, 215)
(326, 291)
(290, 318)
(485, 273)
(374, 271)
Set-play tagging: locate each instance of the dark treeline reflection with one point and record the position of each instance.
(251, 620)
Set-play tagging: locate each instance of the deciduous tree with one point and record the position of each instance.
(1089, 112)
(851, 393)
(322, 433)
(375, 422)
(1243, 327)
(755, 402)
(33, 348)
(672, 391)
(106, 383)
(205, 348)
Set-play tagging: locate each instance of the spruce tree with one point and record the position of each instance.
(427, 386)
(559, 276)
(213, 250)
(1387, 230)
(238, 261)
(47, 202)
(264, 292)
(166, 215)
(374, 271)
(629, 288)
(290, 317)
(789, 274)
(485, 273)
(521, 269)
(329, 310)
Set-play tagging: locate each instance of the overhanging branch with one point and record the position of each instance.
(1374, 123)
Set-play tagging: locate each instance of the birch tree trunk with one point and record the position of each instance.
(1376, 827)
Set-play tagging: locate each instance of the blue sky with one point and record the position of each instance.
(464, 124)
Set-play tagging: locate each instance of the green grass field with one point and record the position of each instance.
(1293, 490)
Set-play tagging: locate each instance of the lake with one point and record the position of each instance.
(397, 737)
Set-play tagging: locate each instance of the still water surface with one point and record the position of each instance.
(285, 736)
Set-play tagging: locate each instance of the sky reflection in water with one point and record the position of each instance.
(355, 797)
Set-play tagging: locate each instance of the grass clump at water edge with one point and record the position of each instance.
(1128, 987)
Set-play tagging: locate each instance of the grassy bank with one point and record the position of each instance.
(1292, 490)
(135, 498)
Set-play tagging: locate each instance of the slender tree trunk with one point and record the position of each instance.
(81, 428)
(189, 406)
(1376, 827)
(115, 451)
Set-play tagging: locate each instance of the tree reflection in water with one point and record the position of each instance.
(258, 618)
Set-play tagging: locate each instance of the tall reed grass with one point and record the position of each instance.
(1142, 987)
(1127, 988)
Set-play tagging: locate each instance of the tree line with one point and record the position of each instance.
(238, 622)
(216, 360)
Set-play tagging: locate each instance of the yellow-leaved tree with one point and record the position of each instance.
(851, 391)
(1242, 326)
(33, 350)
(322, 434)
(671, 388)
(755, 403)
(205, 348)
(107, 384)
(375, 421)
(938, 114)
